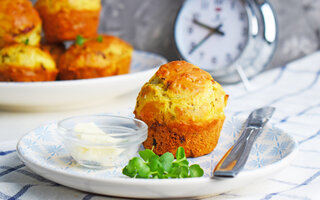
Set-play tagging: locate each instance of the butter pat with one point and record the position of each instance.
(89, 132)
(91, 149)
(102, 141)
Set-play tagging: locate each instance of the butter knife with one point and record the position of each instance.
(236, 157)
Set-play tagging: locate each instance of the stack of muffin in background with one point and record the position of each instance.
(25, 56)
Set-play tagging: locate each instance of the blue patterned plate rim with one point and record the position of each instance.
(272, 167)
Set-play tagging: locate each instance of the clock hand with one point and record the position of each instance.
(215, 29)
(212, 31)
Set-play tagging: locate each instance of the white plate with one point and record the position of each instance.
(78, 93)
(43, 152)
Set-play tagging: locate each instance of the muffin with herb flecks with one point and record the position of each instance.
(19, 23)
(25, 63)
(101, 56)
(182, 106)
(65, 19)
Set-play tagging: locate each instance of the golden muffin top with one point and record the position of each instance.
(26, 56)
(96, 52)
(183, 92)
(18, 18)
(54, 6)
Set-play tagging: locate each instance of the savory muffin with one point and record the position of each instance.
(65, 19)
(24, 63)
(182, 106)
(98, 57)
(54, 49)
(19, 23)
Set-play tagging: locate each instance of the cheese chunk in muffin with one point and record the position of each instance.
(182, 106)
(26, 63)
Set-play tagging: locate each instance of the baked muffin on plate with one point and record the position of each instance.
(24, 63)
(19, 23)
(54, 49)
(102, 56)
(182, 106)
(65, 19)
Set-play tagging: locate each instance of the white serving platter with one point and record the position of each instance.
(60, 95)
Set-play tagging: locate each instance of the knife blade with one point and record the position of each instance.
(236, 157)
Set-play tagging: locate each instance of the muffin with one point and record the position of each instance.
(19, 23)
(182, 106)
(54, 49)
(97, 57)
(24, 63)
(65, 19)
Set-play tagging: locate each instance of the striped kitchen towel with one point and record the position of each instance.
(293, 89)
(18, 182)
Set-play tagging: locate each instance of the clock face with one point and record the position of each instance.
(212, 33)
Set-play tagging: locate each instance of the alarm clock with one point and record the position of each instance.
(231, 39)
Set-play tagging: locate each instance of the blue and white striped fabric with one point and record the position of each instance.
(293, 89)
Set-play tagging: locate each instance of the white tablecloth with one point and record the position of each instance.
(293, 89)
